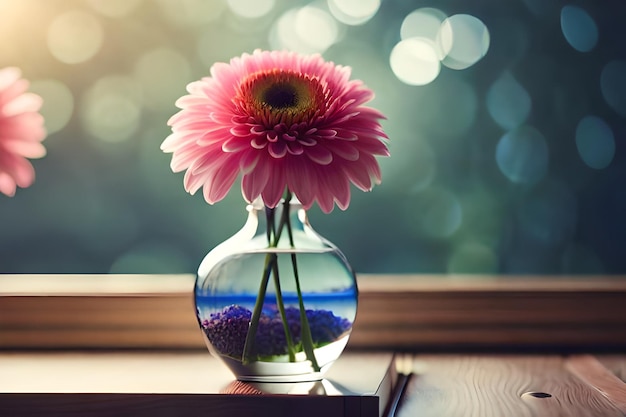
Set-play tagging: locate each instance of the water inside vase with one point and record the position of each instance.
(226, 299)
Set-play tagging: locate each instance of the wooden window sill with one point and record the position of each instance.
(396, 312)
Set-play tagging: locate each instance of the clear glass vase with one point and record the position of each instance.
(276, 301)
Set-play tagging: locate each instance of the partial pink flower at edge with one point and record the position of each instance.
(278, 120)
(21, 131)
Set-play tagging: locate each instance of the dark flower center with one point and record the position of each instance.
(277, 96)
(280, 96)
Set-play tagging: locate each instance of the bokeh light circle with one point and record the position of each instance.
(541, 8)
(472, 258)
(152, 257)
(578, 28)
(188, 13)
(163, 74)
(578, 258)
(508, 102)
(438, 212)
(450, 110)
(114, 8)
(58, 103)
(306, 30)
(251, 9)
(613, 85)
(74, 37)
(353, 12)
(595, 142)
(549, 215)
(413, 167)
(463, 40)
(483, 215)
(522, 155)
(111, 109)
(422, 23)
(316, 27)
(414, 61)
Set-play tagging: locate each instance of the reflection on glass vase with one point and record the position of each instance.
(276, 301)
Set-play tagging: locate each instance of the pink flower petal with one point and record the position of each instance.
(295, 148)
(222, 181)
(326, 133)
(206, 160)
(249, 161)
(253, 183)
(9, 76)
(339, 187)
(194, 181)
(241, 131)
(319, 154)
(236, 144)
(27, 102)
(346, 150)
(27, 149)
(258, 142)
(300, 178)
(25, 126)
(275, 187)
(13, 91)
(7, 184)
(21, 132)
(358, 175)
(277, 149)
(20, 169)
(212, 138)
(325, 200)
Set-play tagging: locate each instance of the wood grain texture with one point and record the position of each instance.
(495, 386)
(591, 371)
(615, 364)
(409, 312)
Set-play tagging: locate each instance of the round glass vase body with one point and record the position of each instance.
(276, 301)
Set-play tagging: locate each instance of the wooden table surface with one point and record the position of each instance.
(515, 386)
(441, 385)
(181, 384)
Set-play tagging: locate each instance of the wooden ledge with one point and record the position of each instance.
(408, 312)
(167, 284)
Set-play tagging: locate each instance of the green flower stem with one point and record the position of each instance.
(307, 339)
(281, 308)
(270, 267)
(258, 307)
(284, 219)
(270, 216)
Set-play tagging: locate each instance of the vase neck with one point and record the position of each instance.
(278, 223)
(258, 203)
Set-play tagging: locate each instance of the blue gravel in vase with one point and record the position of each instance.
(227, 329)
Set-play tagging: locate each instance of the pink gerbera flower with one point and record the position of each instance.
(282, 121)
(21, 131)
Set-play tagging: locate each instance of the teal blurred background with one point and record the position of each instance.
(506, 118)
